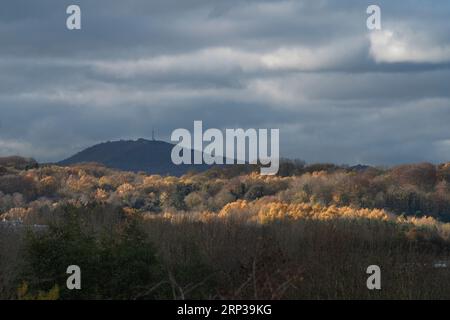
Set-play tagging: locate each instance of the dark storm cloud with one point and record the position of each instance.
(337, 91)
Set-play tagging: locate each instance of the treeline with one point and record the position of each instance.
(411, 190)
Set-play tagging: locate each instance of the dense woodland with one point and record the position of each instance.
(226, 233)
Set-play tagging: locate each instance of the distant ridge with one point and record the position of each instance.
(153, 157)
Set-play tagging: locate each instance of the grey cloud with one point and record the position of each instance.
(305, 67)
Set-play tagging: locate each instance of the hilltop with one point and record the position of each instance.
(149, 156)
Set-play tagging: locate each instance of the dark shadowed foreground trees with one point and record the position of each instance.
(117, 261)
(228, 258)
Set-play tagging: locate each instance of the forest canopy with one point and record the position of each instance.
(214, 234)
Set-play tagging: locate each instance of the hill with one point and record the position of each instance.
(152, 157)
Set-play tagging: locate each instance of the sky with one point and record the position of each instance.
(337, 91)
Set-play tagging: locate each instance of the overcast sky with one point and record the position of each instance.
(337, 91)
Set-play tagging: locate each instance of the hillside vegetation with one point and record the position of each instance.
(225, 233)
